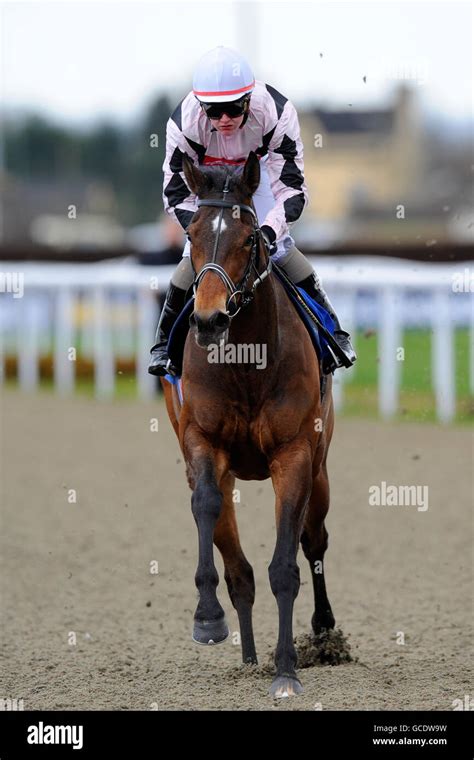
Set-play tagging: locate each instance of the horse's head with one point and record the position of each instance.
(227, 250)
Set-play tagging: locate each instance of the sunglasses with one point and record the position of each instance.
(233, 110)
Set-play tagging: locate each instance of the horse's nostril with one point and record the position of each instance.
(221, 320)
(196, 321)
(217, 321)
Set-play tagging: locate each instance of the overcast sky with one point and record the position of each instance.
(80, 61)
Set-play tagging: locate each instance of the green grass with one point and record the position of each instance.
(125, 386)
(417, 401)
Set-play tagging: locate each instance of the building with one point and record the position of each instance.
(365, 173)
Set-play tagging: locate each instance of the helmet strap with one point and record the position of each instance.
(246, 114)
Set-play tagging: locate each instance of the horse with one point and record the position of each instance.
(240, 420)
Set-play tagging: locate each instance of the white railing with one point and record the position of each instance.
(46, 313)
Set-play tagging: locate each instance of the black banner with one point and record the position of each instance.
(97, 734)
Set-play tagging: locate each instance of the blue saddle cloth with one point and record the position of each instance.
(318, 338)
(180, 328)
(177, 339)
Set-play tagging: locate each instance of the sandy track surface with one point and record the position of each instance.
(83, 569)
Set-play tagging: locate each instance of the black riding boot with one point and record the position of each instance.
(313, 288)
(172, 307)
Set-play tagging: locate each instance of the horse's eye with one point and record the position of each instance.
(249, 240)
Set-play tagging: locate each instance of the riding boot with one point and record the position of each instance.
(174, 302)
(312, 287)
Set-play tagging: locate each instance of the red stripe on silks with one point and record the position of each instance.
(226, 92)
(215, 160)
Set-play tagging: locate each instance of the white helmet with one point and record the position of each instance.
(221, 76)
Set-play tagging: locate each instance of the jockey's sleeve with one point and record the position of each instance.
(286, 172)
(178, 199)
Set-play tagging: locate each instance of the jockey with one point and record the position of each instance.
(225, 116)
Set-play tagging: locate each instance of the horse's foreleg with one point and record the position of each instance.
(238, 571)
(203, 472)
(291, 476)
(314, 541)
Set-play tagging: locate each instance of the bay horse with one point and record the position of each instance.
(238, 420)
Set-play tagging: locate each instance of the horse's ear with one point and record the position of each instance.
(251, 173)
(195, 178)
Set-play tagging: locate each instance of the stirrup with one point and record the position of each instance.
(336, 361)
(161, 368)
(171, 369)
(347, 355)
(331, 362)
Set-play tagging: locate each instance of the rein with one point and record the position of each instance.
(239, 289)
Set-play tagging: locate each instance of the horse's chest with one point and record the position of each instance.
(248, 460)
(242, 435)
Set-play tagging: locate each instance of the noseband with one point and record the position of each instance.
(246, 295)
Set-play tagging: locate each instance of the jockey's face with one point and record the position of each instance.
(227, 125)
(227, 117)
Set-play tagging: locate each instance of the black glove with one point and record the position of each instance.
(269, 236)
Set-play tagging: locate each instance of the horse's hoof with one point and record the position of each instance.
(210, 631)
(323, 622)
(285, 686)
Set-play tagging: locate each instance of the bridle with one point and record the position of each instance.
(246, 295)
